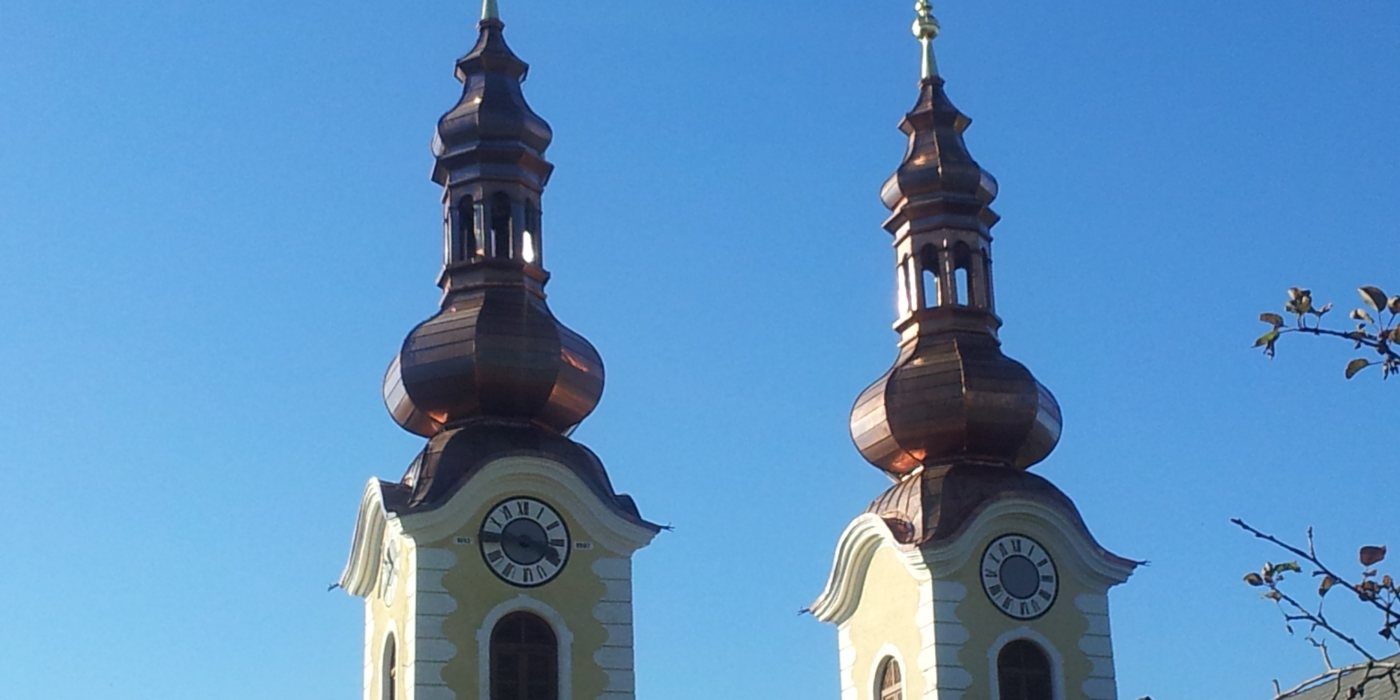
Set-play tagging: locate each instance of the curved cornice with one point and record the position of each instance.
(1107, 568)
(514, 473)
(855, 550)
(362, 568)
(867, 534)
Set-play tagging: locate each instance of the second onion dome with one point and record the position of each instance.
(951, 397)
(494, 350)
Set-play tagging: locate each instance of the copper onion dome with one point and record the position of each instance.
(494, 351)
(951, 397)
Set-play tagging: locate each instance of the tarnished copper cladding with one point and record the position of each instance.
(494, 350)
(951, 397)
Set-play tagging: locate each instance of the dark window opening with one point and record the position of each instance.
(1023, 672)
(524, 659)
(928, 262)
(501, 226)
(466, 224)
(391, 670)
(962, 261)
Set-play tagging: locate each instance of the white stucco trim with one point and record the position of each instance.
(1020, 514)
(1057, 660)
(362, 569)
(562, 632)
(854, 551)
(521, 473)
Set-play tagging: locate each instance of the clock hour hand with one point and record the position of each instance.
(493, 537)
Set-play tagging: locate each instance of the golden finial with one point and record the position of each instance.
(926, 29)
(489, 10)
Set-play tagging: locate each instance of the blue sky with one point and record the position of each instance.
(216, 226)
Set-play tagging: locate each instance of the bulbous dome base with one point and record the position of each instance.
(493, 352)
(954, 397)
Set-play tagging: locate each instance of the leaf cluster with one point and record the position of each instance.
(1371, 588)
(1377, 327)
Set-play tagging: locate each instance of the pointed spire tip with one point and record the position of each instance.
(489, 10)
(926, 30)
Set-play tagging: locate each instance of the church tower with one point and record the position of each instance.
(499, 567)
(970, 578)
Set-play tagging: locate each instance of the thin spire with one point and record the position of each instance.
(926, 30)
(489, 10)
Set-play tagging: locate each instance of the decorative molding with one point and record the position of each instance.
(944, 636)
(846, 658)
(614, 611)
(854, 551)
(1057, 660)
(522, 473)
(565, 636)
(1009, 513)
(362, 568)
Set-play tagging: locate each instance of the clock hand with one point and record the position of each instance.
(494, 537)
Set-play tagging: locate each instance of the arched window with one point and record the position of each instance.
(389, 676)
(962, 262)
(500, 225)
(467, 246)
(532, 235)
(524, 659)
(1023, 672)
(933, 293)
(902, 283)
(891, 683)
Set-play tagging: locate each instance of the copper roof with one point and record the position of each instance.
(453, 456)
(937, 504)
(494, 349)
(951, 396)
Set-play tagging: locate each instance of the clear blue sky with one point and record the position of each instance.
(216, 226)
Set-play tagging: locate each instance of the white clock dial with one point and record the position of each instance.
(524, 541)
(1019, 576)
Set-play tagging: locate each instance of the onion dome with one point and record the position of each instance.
(951, 397)
(494, 350)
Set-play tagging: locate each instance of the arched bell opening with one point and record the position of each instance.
(501, 225)
(934, 293)
(524, 659)
(1023, 672)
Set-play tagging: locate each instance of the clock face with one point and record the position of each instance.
(1019, 576)
(524, 541)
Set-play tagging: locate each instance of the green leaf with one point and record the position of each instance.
(1356, 366)
(1267, 338)
(1373, 297)
(1274, 319)
(1288, 566)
